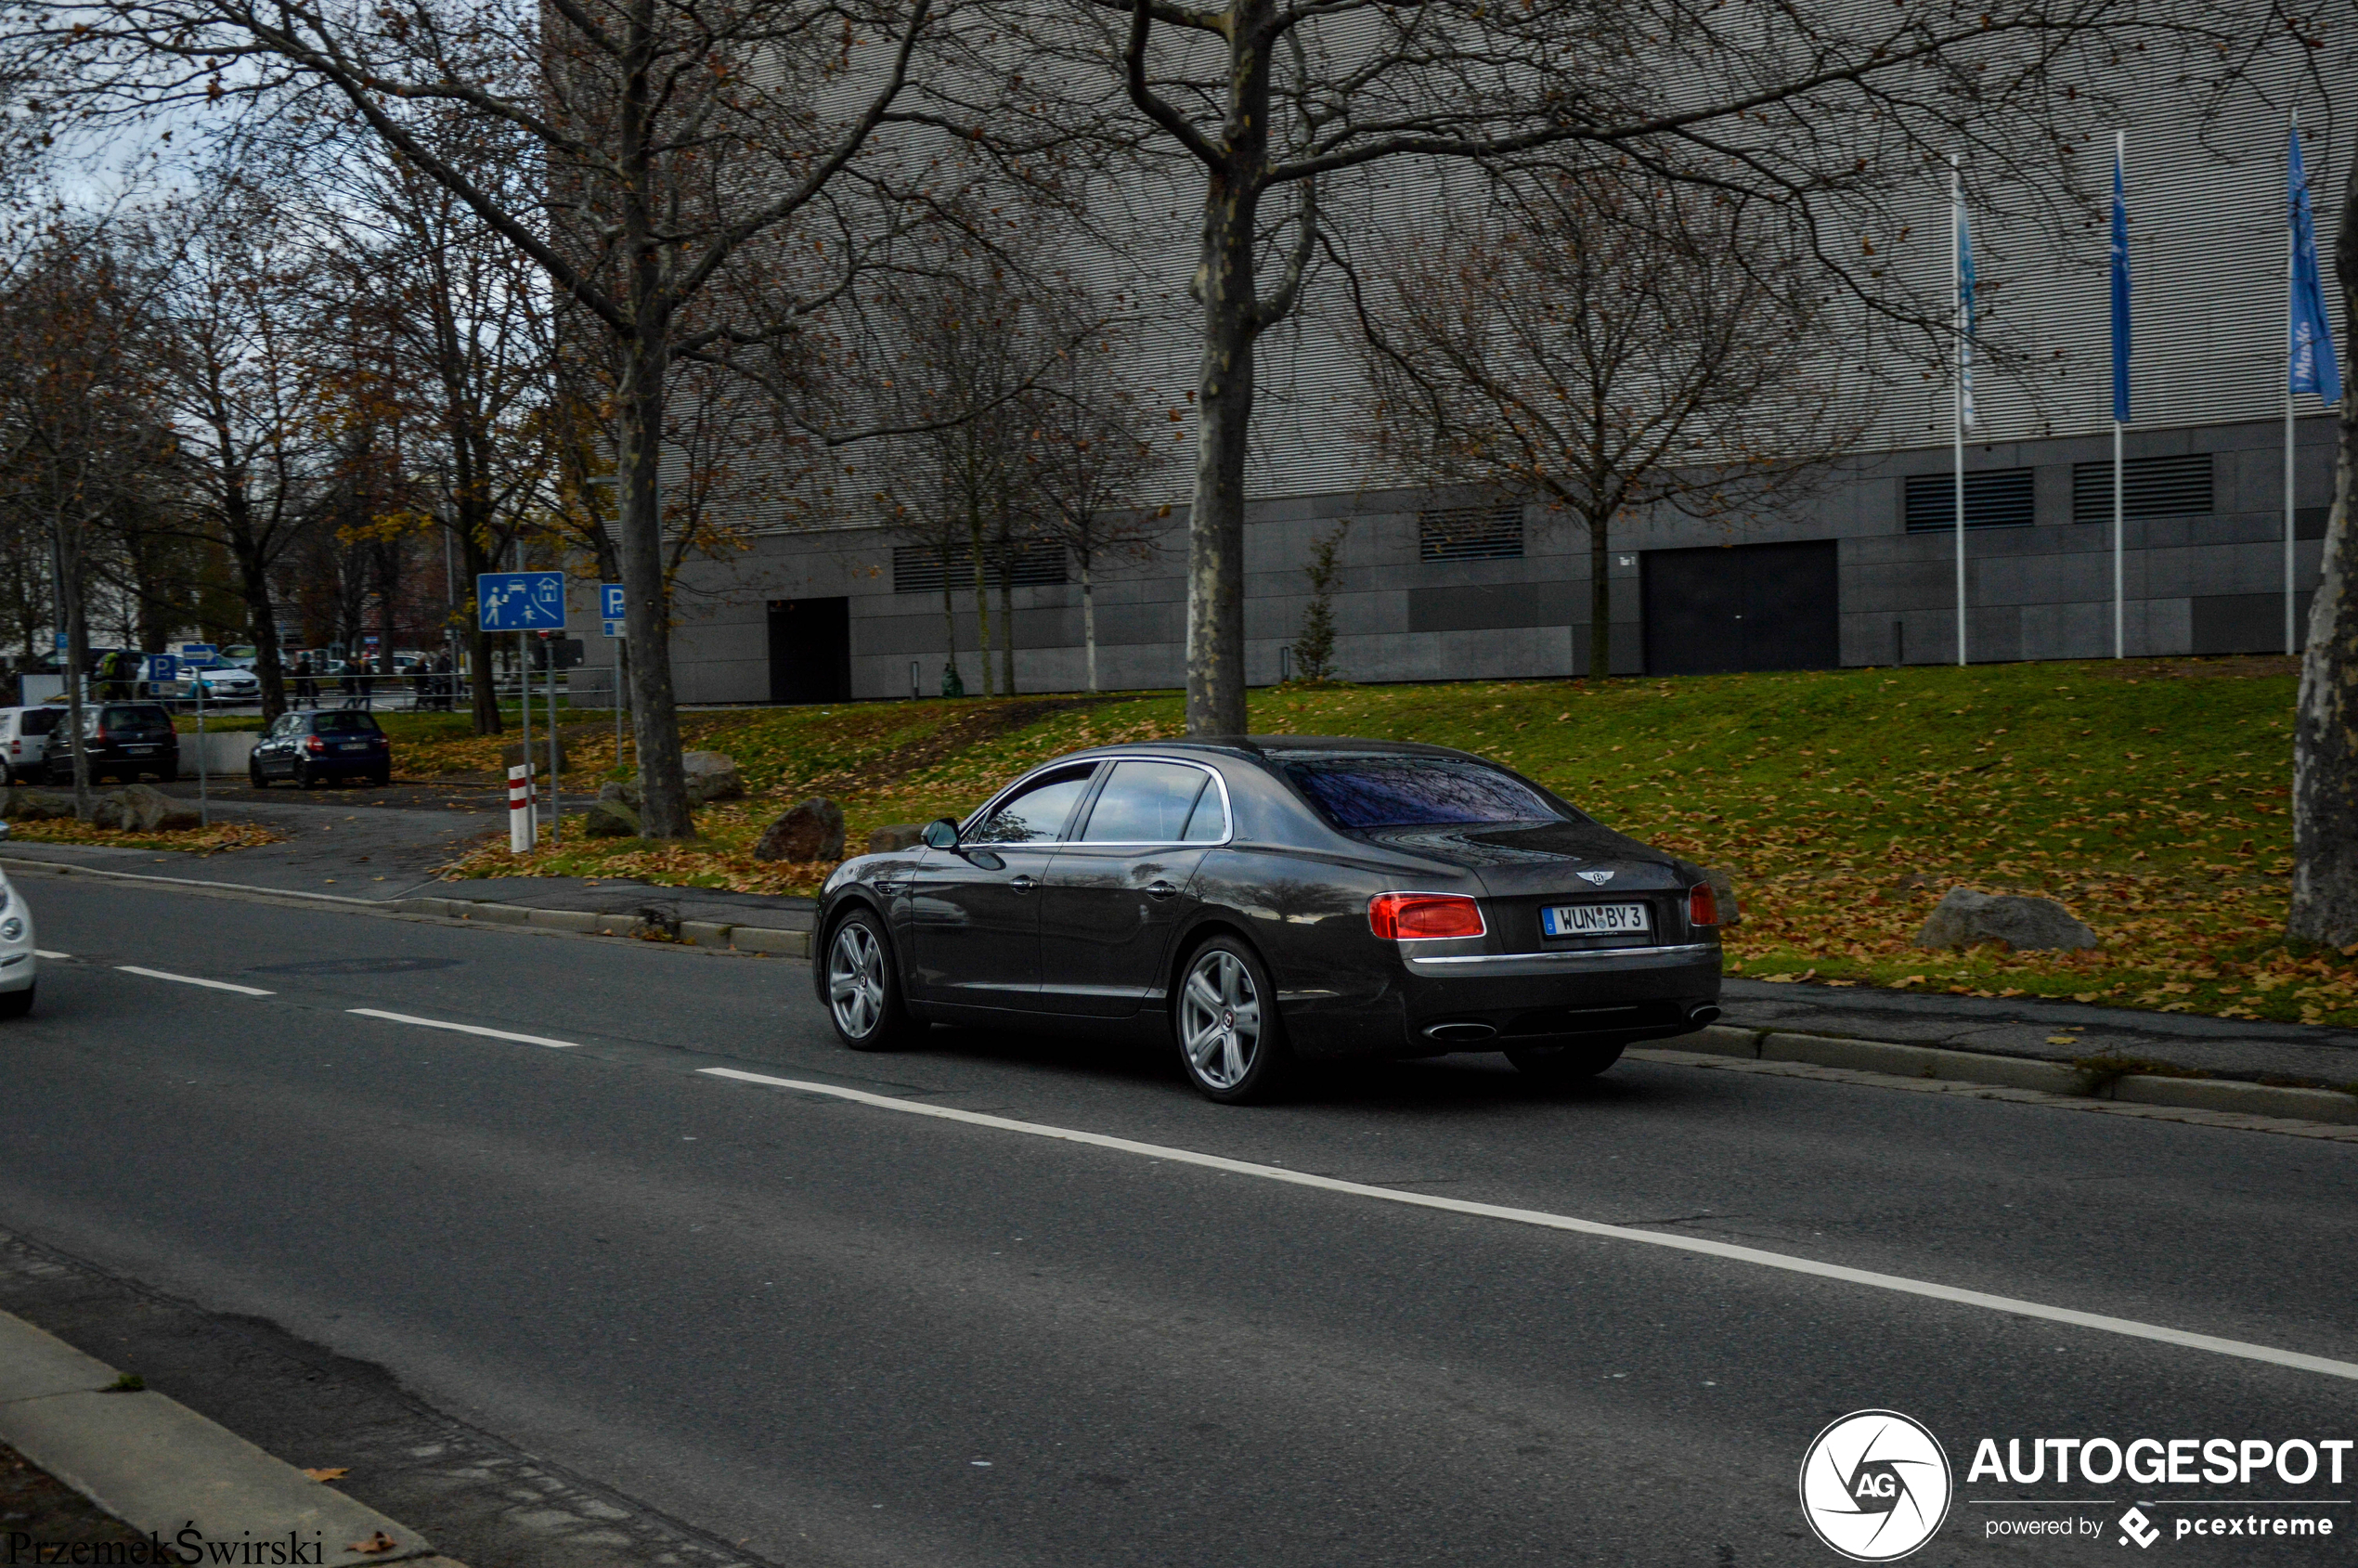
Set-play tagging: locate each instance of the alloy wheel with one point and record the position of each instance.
(856, 979)
(1220, 1019)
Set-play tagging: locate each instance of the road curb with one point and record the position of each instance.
(163, 1470)
(2062, 1079)
(2178, 1088)
(768, 940)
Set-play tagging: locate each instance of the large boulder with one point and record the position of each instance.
(36, 806)
(896, 836)
(1723, 890)
(612, 815)
(139, 808)
(1965, 917)
(810, 831)
(711, 776)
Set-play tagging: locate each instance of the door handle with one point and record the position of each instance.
(1022, 884)
(1160, 890)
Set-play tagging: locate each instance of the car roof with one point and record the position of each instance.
(1267, 749)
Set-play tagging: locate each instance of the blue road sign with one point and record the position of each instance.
(163, 668)
(610, 607)
(199, 654)
(521, 600)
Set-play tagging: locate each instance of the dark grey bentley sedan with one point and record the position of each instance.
(1272, 899)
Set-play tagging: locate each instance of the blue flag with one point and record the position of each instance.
(1964, 309)
(2315, 368)
(2119, 292)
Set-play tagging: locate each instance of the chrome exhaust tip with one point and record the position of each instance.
(1697, 1018)
(1463, 1032)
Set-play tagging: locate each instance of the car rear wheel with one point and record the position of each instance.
(864, 989)
(254, 777)
(1231, 1044)
(1563, 1064)
(306, 777)
(17, 1003)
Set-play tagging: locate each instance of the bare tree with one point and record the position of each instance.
(1091, 462)
(1605, 346)
(2325, 878)
(709, 178)
(1824, 112)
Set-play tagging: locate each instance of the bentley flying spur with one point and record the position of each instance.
(1266, 902)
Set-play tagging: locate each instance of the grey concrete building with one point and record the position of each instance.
(1437, 586)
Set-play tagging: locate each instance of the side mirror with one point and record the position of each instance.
(942, 834)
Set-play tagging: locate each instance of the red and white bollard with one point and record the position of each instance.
(523, 822)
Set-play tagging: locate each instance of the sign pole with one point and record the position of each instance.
(204, 793)
(531, 805)
(556, 806)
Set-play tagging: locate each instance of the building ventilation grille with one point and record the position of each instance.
(2003, 499)
(1471, 532)
(2150, 487)
(918, 568)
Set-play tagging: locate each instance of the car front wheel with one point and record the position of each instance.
(1230, 1040)
(863, 991)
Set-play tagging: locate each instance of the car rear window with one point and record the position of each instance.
(1371, 791)
(39, 721)
(344, 723)
(134, 716)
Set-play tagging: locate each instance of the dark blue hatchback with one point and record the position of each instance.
(314, 748)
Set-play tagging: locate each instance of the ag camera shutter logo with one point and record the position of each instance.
(1875, 1486)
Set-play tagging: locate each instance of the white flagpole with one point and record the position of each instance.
(2289, 646)
(1957, 438)
(2120, 641)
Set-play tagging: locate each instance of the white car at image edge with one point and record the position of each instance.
(20, 966)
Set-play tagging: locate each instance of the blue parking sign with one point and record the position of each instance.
(163, 668)
(521, 600)
(611, 608)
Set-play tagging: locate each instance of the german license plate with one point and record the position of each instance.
(352, 745)
(138, 750)
(1595, 920)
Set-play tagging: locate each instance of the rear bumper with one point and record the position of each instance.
(1491, 1001)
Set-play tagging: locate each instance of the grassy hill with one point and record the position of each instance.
(2149, 797)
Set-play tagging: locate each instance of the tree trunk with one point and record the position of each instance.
(655, 709)
(982, 597)
(948, 625)
(69, 572)
(1224, 287)
(2324, 769)
(482, 678)
(1088, 618)
(1006, 619)
(1599, 598)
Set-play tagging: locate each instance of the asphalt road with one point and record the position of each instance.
(826, 1331)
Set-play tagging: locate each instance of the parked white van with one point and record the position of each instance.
(24, 740)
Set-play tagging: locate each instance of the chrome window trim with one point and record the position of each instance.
(1228, 817)
(1226, 808)
(982, 813)
(1584, 956)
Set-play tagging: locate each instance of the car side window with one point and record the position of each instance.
(1145, 803)
(1209, 822)
(1038, 812)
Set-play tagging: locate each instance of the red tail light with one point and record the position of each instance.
(1408, 917)
(1703, 905)
(313, 743)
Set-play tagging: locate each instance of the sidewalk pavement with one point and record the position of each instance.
(171, 1475)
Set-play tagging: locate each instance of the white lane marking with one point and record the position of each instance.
(1754, 1255)
(464, 1028)
(45, 952)
(193, 979)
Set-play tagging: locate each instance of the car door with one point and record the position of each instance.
(974, 911)
(1119, 887)
(274, 752)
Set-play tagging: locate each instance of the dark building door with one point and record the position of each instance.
(1752, 606)
(810, 650)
